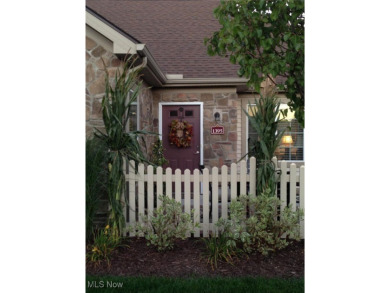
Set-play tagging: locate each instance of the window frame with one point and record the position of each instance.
(137, 111)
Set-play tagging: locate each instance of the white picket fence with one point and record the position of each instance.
(194, 190)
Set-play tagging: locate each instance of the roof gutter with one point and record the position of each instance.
(152, 65)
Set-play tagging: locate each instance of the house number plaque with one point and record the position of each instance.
(217, 130)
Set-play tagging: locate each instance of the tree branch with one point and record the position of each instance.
(270, 77)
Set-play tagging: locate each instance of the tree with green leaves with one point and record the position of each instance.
(266, 38)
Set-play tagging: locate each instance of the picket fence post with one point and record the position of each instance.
(252, 176)
(141, 194)
(196, 218)
(123, 198)
(224, 192)
(214, 199)
(206, 202)
(131, 198)
(168, 174)
(283, 186)
(150, 190)
(302, 198)
(159, 187)
(275, 162)
(242, 177)
(233, 181)
(187, 194)
(293, 187)
(178, 185)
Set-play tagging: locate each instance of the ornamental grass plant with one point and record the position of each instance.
(264, 117)
(104, 243)
(96, 177)
(122, 145)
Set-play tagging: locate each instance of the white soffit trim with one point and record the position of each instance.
(174, 76)
(121, 44)
(205, 82)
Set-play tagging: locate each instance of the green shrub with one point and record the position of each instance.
(105, 241)
(264, 229)
(167, 224)
(157, 157)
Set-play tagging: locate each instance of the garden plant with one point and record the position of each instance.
(157, 157)
(264, 117)
(265, 230)
(103, 245)
(122, 145)
(96, 177)
(266, 39)
(166, 224)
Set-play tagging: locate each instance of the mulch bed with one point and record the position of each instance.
(186, 260)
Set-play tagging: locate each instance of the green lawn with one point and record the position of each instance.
(159, 284)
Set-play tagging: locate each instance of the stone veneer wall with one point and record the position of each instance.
(95, 82)
(95, 89)
(145, 104)
(218, 150)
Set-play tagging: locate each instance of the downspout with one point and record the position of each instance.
(142, 65)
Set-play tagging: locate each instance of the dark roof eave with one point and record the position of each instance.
(113, 26)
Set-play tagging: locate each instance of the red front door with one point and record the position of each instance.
(181, 157)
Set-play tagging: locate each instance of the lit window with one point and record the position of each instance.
(291, 145)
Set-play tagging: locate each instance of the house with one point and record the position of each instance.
(181, 83)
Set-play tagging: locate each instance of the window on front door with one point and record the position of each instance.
(291, 146)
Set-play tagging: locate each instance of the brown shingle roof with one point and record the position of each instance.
(173, 30)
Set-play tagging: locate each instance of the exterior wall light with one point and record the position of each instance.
(217, 117)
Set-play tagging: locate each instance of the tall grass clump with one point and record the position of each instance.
(264, 118)
(122, 145)
(96, 176)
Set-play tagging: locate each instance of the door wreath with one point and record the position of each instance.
(180, 133)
